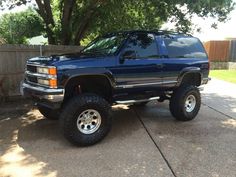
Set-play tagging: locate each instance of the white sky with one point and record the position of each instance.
(224, 30)
(16, 9)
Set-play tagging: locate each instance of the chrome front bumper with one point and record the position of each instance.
(42, 93)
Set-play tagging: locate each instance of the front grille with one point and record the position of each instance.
(31, 68)
(30, 78)
(33, 76)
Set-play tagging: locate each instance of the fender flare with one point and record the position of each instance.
(189, 70)
(68, 75)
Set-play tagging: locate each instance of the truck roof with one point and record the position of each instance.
(156, 32)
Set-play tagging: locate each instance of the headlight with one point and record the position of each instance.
(48, 76)
(43, 70)
(52, 83)
(43, 82)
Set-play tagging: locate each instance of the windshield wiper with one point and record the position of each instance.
(99, 52)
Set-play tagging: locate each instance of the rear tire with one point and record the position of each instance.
(52, 114)
(185, 103)
(85, 119)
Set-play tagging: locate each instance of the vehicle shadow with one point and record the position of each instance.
(12, 109)
(29, 142)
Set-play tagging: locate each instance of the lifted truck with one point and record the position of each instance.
(131, 67)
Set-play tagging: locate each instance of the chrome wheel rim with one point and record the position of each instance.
(89, 121)
(190, 103)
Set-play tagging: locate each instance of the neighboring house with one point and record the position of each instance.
(38, 40)
(2, 41)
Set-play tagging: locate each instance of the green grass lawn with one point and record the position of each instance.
(226, 75)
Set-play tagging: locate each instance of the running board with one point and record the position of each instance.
(137, 101)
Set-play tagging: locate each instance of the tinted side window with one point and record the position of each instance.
(184, 47)
(143, 45)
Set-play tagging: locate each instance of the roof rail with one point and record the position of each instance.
(158, 32)
(166, 32)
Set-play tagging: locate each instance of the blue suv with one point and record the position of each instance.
(129, 67)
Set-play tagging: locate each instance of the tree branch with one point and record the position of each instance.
(87, 17)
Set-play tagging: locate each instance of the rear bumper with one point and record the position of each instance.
(205, 80)
(46, 96)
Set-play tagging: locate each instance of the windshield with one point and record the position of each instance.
(104, 45)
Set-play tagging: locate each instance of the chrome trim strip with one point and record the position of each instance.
(54, 98)
(169, 82)
(33, 83)
(42, 89)
(47, 76)
(137, 101)
(135, 85)
(40, 85)
(39, 65)
(146, 84)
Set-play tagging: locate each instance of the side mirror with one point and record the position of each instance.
(129, 54)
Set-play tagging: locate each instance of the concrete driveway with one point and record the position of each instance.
(143, 142)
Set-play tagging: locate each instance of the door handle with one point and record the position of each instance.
(159, 66)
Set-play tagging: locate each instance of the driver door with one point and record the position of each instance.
(140, 64)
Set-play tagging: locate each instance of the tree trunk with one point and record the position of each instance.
(50, 35)
(45, 12)
(66, 21)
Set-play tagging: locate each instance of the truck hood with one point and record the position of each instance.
(42, 60)
(57, 59)
(71, 61)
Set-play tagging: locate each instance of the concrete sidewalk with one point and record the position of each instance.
(221, 96)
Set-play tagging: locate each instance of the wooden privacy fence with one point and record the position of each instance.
(232, 53)
(221, 51)
(13, 59)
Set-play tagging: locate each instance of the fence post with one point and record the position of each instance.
(40, 51)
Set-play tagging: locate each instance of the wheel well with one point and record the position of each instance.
(99, 85)
(191, 79)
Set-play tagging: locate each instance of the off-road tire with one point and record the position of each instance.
(177, 103)
(52, 114)
(76, 106)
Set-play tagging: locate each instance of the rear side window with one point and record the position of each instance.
(143, 45)
(184, 47)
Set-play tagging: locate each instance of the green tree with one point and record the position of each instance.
(15, 28)
(69, 21)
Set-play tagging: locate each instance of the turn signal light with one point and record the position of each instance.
(53, 83)
(52, 71)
